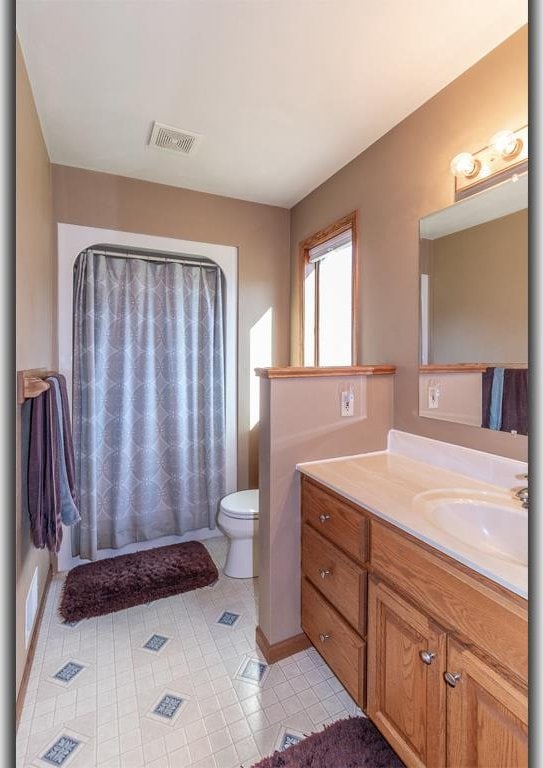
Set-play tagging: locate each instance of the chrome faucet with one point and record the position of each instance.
(522, 493)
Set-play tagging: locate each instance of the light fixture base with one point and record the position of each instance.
(492, 167)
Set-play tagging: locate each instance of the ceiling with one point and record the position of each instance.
(283, 92)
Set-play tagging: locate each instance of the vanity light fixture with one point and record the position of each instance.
(506, 144)
(506, 155)
(466, 165)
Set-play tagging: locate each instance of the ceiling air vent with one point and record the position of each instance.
(173, 139)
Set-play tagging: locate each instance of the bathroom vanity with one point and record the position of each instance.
(425, 623)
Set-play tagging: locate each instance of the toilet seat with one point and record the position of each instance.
(242, 505)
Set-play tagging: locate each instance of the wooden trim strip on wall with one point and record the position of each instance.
(348, 370)
(283, 649)
(453, 367)
(32, 649)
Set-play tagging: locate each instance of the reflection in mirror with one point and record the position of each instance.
(474, 310)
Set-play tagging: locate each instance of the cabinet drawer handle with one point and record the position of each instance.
(323, 637)
(427, 656)
(324, 517)
(452, 678)
(324, 573)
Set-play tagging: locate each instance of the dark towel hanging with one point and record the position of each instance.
(42, 472)
(515, 401)
(67, 435)
(488, 378)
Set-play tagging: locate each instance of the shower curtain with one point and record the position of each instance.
(148, 399)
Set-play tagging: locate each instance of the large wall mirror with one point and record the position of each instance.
(474, 310)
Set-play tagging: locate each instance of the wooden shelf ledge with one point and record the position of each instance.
(453, 368)
(348, 370)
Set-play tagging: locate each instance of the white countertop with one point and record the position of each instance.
(386, 484)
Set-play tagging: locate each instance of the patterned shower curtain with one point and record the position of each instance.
(148, 399)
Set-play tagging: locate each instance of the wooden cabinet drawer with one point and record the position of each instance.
(336, 576)
(335, 519)
(478, 613)
(341, 647)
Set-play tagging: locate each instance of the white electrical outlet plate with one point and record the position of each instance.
(433, 397)
(347, 403)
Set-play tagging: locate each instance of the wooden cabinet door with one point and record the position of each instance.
(487, 717)
(406, 696)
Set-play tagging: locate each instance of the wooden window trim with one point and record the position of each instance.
(350, 221)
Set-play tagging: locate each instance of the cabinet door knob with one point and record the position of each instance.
(452, 678)
(324, 573)
(427, 656)
(323, 637)
(324, 517)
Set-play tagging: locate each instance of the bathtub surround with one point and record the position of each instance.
(300, 417)
(117, 583)
(395, 182)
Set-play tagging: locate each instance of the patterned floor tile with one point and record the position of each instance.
(199, 696)
(287, 738)
(155, 643)
(228, 619)
(252, 670)
(67, 673)
(168, 706)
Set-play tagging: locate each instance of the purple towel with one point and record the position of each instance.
(487, 379)
(515, 401)
(43, 474)
(67, 435)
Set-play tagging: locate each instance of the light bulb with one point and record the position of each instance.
(465, 164)
(505, 143)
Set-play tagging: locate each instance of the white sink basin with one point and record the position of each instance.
(490, 522)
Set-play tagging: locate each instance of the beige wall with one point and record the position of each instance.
(301, 422)
(460, 397)
(479, 293)
(261, 233)
(399, 179)
(34, 311)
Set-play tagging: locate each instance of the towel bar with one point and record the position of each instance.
(31, 383)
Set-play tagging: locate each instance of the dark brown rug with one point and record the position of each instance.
(351, 743)
(104, 586)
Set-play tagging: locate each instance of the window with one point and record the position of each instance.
(329, 301)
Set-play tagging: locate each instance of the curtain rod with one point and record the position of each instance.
(151, 256)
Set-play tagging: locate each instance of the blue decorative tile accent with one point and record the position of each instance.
(68, 672)
(228, 618)
(289, 740)
(168, 706)
(156, 643)
(254, 671)
(60, 751)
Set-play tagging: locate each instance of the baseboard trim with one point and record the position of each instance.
(283, 649)
(32, 649)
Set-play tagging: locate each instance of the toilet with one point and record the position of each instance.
(238, 519)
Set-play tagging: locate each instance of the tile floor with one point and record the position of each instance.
(172, 684)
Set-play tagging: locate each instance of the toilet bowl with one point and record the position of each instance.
(238, 519)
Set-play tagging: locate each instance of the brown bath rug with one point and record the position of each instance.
(104, 586)
(351, 743)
